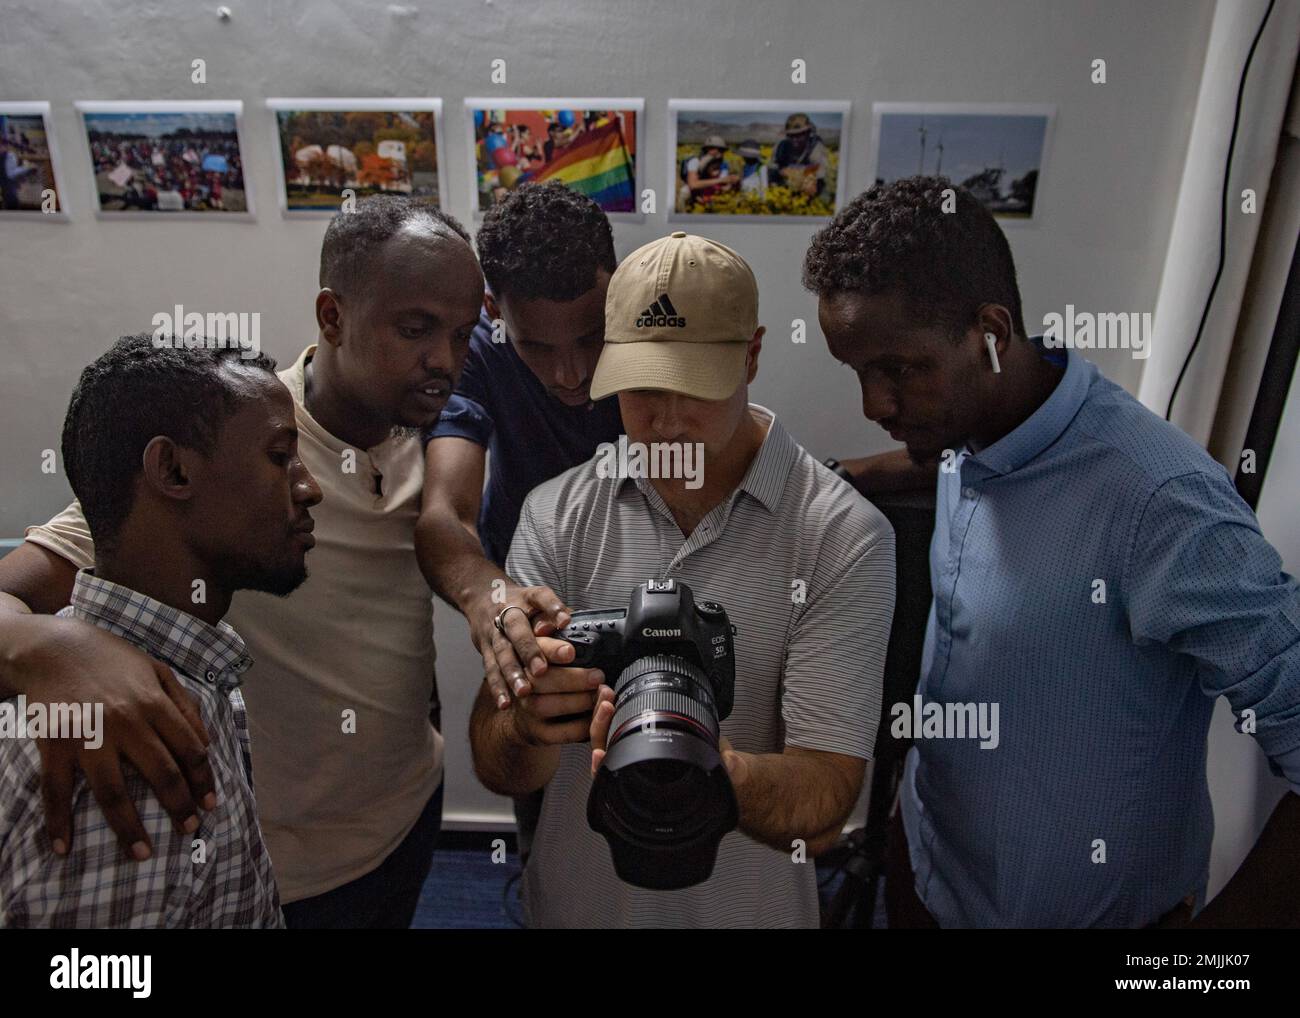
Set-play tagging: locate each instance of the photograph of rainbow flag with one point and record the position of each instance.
(592, 150)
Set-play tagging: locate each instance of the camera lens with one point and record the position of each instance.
(667, 690)
(663, 792)
(662, 796)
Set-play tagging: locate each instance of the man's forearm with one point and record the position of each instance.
(15, 633)
(502, 762)
(23, 635)
(1265, 891)
(453, 561)
(785, 796)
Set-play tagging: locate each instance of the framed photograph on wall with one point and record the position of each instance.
(167, 159)
(359, 146)
(29, 172)
(996, 151)
(592, 145)
(757, 161)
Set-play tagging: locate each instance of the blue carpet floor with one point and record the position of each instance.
(467, 890)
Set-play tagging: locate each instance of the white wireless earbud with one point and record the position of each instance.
(991, 341)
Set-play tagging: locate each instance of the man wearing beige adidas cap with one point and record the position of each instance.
(803, 565)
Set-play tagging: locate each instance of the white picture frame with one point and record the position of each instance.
(778, 109)
(407, 104)
(235, 108)
(40, 109)
(625, 104)
(946, 111)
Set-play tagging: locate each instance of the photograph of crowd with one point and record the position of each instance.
(324, 152)
(591, 150)
(757, 161)
(156, 161)
(995, 153)
(26, 163)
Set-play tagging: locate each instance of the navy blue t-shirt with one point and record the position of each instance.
(530, 435)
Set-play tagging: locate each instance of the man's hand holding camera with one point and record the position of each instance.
(555, 709)
(511, 655)
(552, 709)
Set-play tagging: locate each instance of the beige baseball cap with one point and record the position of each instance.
(679, 315)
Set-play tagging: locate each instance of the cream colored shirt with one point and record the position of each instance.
(336, 792)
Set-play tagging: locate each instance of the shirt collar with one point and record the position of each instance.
(765, 479)
(215, 655)
(1046, 424)
(295, 380)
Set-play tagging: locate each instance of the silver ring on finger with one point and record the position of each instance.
(499, 621)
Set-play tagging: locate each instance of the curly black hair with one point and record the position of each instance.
(352, 238)
(545, 240)
(897, 239)
(139, 389)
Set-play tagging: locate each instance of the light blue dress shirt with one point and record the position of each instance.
(1104, 693)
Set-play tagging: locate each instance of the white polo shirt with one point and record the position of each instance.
(805, 568)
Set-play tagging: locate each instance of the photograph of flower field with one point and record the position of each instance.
(757, 163)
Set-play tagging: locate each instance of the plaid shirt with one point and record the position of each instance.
(219, 876)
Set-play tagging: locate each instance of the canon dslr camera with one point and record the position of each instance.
(662, 797)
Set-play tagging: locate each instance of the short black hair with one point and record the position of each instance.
(896, 239)
(352, 238)
(545, 240)
(137, 390)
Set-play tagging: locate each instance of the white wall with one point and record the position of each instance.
(67, 289)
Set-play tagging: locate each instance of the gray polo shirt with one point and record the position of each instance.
(805, 568)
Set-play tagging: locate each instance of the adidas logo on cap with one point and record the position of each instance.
(661, 314)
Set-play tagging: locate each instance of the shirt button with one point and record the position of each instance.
(968, 492)
(212, 676)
